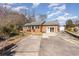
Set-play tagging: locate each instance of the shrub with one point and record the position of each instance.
(75, 29)
(10, 31)
(13, 34)
(6, 30)
(69, 29)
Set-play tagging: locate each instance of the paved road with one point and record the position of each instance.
(60, 45)
(55, 44)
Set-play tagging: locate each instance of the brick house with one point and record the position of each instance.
(41, 26)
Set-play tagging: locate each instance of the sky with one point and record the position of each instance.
(54, 11)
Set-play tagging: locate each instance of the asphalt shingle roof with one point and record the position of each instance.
(51, 23)
(34, 23)
(41, 22)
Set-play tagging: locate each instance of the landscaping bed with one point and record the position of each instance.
(7, 44)
(75, 34)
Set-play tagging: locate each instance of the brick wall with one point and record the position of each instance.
(40, 29)
(56, 28)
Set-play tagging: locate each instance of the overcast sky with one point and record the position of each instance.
(54, 11)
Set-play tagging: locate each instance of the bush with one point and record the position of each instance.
(10, 31)
(13, 34)
(69, 29)
(6, 30)
(69, 24)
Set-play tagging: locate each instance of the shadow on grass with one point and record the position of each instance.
(8, 50)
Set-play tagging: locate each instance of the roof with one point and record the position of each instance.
(34, 23)
(51, 23)
(41, 22)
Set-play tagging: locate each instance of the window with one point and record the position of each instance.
(32, 27)
(37, 27)
(29, 27)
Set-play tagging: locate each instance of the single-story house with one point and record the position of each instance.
(42, 26)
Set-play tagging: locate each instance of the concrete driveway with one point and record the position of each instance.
(49, 44)
(60, 45)
(29, 46)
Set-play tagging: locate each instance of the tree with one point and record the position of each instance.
(6, 31)
(69, 24)
(42, 17)
(77, 23)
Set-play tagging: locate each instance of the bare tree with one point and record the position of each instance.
(31, 16)
(42, 17)
(4, 45)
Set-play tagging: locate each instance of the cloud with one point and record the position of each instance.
(19, 8)
(53, 5)
(7, 5)
(48, 12)
(73, 17)
(60, 8)
(63, 19)
(35, 5)
(66, 14)
(60, 12)
(52, 14)
(66, 18)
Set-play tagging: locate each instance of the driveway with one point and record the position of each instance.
(60, 45)
(29, 46)
(49, 44)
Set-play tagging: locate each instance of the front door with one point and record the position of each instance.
(51, 29)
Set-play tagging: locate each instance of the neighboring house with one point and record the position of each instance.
(62, 28)
(41, 26)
